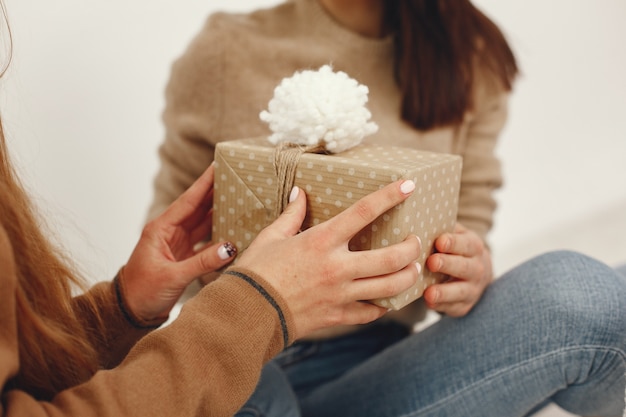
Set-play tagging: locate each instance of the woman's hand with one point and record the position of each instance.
(165, 262)
(463, 256)
(322, 281)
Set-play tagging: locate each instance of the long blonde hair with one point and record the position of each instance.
(54, 350)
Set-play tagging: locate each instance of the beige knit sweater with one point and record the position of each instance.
(229, 71)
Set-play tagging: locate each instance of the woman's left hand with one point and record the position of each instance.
(165, 260)
(462, 256)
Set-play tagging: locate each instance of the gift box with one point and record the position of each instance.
(247, 195)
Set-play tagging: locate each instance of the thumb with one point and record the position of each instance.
(209, 259)
(290, 220)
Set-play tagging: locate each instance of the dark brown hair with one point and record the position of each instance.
(440, 46)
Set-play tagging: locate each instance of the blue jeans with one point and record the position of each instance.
(273, 396)
(551, 330)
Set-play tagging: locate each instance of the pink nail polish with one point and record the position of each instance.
(294, 194)
(407, 186)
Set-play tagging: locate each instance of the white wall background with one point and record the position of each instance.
(82, 100)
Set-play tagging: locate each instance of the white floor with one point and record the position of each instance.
(601, 235)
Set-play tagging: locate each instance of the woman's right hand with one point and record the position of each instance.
(322, 281)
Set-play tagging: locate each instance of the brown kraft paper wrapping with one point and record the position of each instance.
(246, 193)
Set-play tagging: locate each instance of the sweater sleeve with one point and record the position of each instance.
(207, 362)
(110, 331)
(482, 173)
(193, 105)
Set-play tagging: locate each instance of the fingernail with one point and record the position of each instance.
(226, 251)
(418, 266)
(407, 186)
(419, 241)
(294, 194)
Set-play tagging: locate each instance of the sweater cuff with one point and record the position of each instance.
(131, 318)
(271, 296)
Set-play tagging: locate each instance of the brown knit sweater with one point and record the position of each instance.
(229, 71)
(206, 363)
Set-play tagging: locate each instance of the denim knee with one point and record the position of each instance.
(273, 396)
(582, 295)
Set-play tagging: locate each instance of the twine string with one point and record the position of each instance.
(286, 158)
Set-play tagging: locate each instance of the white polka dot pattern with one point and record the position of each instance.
(245, 195)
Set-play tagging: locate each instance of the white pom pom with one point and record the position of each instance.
(319, 108)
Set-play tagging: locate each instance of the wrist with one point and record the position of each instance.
(131, 317)
(267, 291)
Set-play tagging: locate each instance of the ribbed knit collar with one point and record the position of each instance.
(320, 23)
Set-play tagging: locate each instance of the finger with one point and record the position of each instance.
(290, 220)
(461, 242)
(454, 310)
(385, 286)
(209, 259)
(202, 230)
(452, 298)
(386, 260)
(197, 195)
(355, 312)
(200, 213)
(455, 266)
(362, 312)
(347, 223)
(459, 228)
